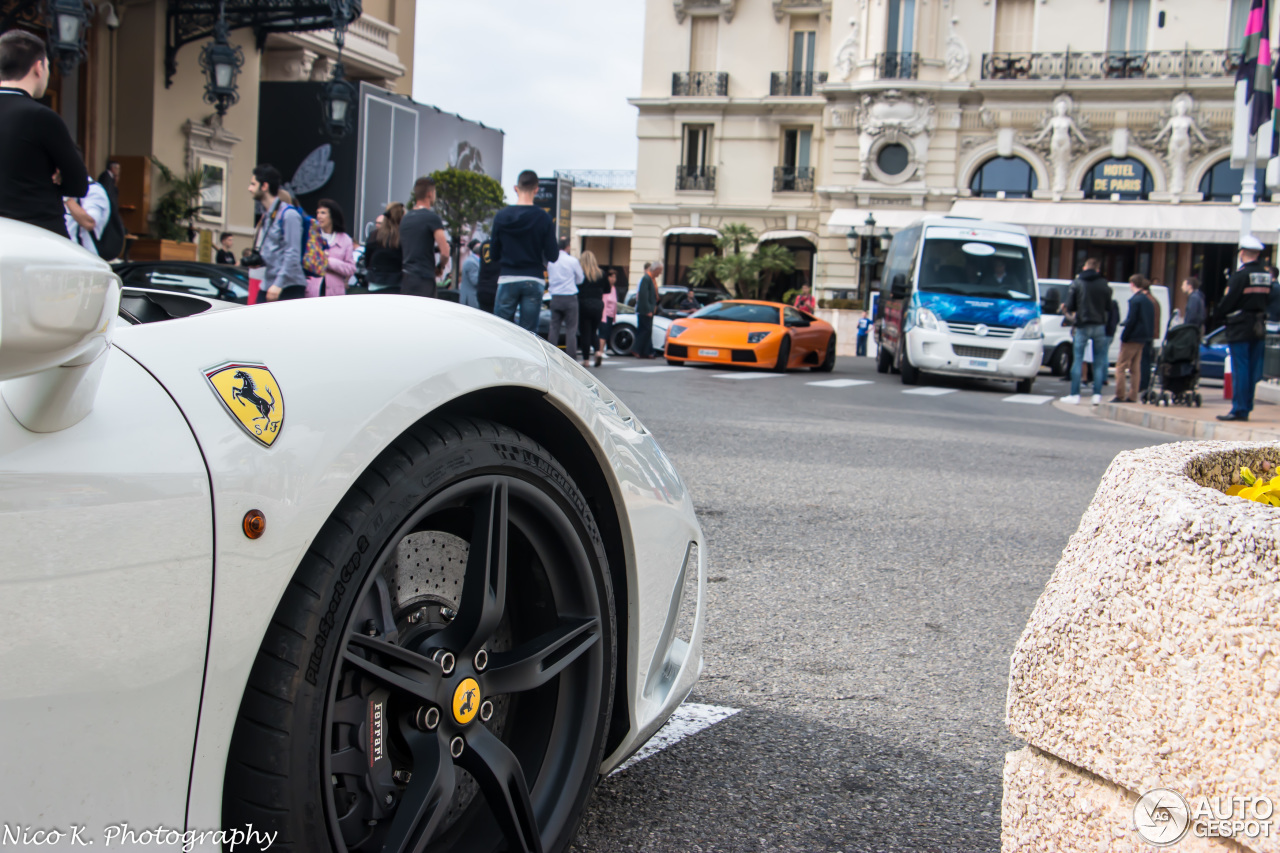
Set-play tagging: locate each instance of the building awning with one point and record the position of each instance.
(604, 232)
(1192, 222)
(844, 218)
(691, 229)
(788, 235)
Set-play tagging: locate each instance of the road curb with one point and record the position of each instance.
(1184, 427)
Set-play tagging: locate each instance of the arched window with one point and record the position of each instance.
(1222, 183)
(1125, 177)
(1012, 176)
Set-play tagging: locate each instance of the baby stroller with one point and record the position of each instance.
(1177, 369)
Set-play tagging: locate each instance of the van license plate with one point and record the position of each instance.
(979, 364)
(710, 352)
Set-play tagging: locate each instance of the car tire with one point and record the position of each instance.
(1060, 360)
(462, 535)
(884, 360)
(622, 340)
(829, 361)
(784, 355)
(1024, 386)
(910, 373)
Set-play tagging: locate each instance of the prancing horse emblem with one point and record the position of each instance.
(251, 395)
(248, 392)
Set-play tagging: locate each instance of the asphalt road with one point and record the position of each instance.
(874, 557)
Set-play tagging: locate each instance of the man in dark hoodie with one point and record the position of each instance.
(1087, 302)
(522, 244)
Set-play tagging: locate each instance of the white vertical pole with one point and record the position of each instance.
(1248, 188)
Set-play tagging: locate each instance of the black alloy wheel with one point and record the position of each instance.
(829, 360)
(1060, 360)
(622, 340)
(460, 700)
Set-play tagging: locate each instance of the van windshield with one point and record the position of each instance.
(977, 268)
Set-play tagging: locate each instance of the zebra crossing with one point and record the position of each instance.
(627, 366)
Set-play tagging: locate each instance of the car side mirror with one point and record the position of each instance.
(58, 304)
(898, 288)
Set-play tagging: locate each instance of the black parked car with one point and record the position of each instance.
(213, 281)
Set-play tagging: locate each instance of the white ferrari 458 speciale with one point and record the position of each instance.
(378, 573)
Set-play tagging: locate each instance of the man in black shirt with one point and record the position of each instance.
(421, 235)
(38, 160)
(523, 243)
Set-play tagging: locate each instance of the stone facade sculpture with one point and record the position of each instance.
(846, 56)
(956, 55)
(892, 116)
(1180, 127)
(1061, 132)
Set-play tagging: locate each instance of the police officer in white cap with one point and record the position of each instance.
(1242, 310)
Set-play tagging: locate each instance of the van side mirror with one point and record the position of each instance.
(58, 304)
(898, 287)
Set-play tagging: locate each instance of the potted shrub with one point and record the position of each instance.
(171, 218)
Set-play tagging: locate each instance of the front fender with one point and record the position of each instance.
(354, 373)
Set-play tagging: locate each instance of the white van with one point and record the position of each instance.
(959, 297)
(1057, 337)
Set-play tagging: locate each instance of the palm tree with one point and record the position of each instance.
(771, 259)
(735, 235)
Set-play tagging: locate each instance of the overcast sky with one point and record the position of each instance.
(555, 75)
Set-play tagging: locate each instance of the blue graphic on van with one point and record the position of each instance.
(949, 307)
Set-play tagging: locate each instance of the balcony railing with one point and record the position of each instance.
(795, 84)
(793, 179)
(696, 178)
(1111, 65)
(700, 84)
(898, 66)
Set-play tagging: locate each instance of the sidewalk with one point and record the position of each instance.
(1263, 423)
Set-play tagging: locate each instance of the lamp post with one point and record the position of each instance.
(68, 20)
(862, 239)
(221, 62)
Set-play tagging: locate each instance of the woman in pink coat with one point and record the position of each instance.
(341, 254)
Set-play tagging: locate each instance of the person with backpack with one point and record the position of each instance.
(280, 234)
(340, 259)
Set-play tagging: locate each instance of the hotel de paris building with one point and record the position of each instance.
(1101, 125)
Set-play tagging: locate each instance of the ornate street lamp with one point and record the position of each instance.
(862, 238)
(338, 98)
(221, 62)
(68, 20)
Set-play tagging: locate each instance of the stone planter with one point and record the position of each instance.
(1152, 659)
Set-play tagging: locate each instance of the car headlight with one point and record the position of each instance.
(676, 331)
(756, 337)
(1030, 332)
(927, 320)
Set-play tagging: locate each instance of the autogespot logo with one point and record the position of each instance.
(1161, 817)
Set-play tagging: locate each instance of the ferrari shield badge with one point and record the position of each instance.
(252, 396)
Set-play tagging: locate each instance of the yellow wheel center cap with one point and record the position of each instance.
(466, 701)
